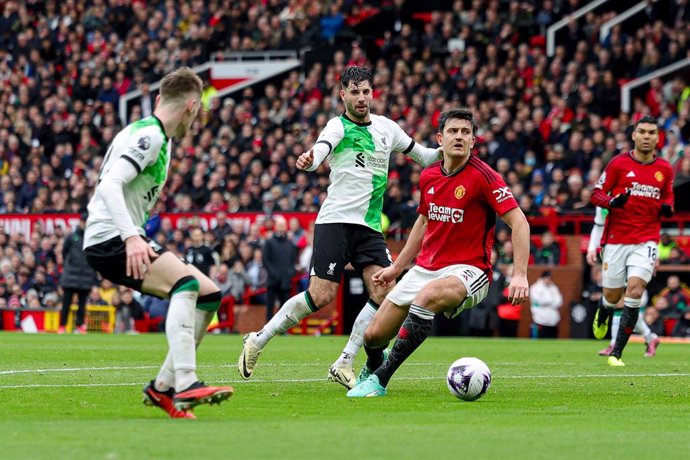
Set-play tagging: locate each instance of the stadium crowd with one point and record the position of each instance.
(547, 124)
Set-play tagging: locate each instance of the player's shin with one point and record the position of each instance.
(414, 331)
(356, 340)
(291, 313)
(179, 329)
(206, 307)
(631, 312)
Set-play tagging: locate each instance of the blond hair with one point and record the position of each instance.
(180, 83)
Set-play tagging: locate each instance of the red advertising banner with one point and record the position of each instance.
(26, 224)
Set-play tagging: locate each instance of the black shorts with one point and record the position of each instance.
(109, 258)
(336, 245)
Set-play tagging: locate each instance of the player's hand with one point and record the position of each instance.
(386, 276)
(139, 257)
(619, 200)
(518, 289)
(666, 210)
(591, 258)
(305, 160)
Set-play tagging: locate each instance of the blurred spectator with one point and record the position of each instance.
(483, 318)
(239, 281)
(665, 246)
(77, 278)
(280, 261)
(200, 255)
(682, 327)
(676, 257)
(548, 252)
(654, 320)
(546, 300)
(127, 310)
(677, 297)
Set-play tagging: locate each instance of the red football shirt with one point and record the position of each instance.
(461, 208)
(651, 185)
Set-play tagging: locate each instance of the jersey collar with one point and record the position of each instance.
(160, 124)
(630, 153)
(368, 123)
(457, 171)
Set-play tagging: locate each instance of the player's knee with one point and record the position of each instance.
(209, 302)
(632, 302)
(186, 283)
(322, 295)
(373, 337)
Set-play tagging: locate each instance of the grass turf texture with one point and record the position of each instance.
(79, 397)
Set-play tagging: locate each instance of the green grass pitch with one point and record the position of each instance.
(79, 397)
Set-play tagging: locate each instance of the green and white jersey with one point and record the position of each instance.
(144, 145)
(358, 154)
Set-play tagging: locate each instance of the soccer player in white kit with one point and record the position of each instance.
(358, 146)
(132, 176)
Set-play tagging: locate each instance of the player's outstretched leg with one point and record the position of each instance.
(290, 314)
(342, 370)
(651, 340)
(413, 332)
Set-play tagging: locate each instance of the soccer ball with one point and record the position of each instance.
(468, 379)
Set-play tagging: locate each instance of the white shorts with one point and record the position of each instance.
(475, 280)
(621, 261)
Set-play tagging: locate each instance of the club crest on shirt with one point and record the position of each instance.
(659, 176)
(144, 143)
(459, 191)
(606, 266)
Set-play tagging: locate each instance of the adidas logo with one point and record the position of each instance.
(431, 191)
(630, 174)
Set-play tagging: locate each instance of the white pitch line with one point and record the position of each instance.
(323, 380)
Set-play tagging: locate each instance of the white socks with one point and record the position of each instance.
(356, 340)
(166, 376)
(292, 312)
(179, 329)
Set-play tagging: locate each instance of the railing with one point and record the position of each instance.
(622, 17)
(627, 88)
(551, 31)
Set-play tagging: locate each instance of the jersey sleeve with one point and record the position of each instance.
(401, 141)
(498, 195)
(667, 196)
(143, 147)
(601, 193)
(422, 208)
(329, 138)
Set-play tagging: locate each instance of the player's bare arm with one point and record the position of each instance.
(518, 289)
(412, 247)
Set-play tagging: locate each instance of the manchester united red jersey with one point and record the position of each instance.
(651, 185)
(461, 208)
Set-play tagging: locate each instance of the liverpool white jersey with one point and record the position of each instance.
(358, 158)
(144, 144)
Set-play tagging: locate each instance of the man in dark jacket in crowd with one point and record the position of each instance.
(279, 258)
(77, 277)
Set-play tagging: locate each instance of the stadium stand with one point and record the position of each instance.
(547, 124)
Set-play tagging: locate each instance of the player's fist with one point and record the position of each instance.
(592, 257)
(305, 160)
(619, 200)
(666, 210)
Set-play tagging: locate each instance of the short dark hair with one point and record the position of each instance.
(647, 119)
(463, 113)
(356, 75)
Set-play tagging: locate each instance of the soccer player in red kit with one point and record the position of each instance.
(637, 188)
(452, 239)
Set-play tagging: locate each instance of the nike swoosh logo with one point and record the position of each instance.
(244, 372)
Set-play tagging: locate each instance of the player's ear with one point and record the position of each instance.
(439, 138)
(342, 94)
(474, 139)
